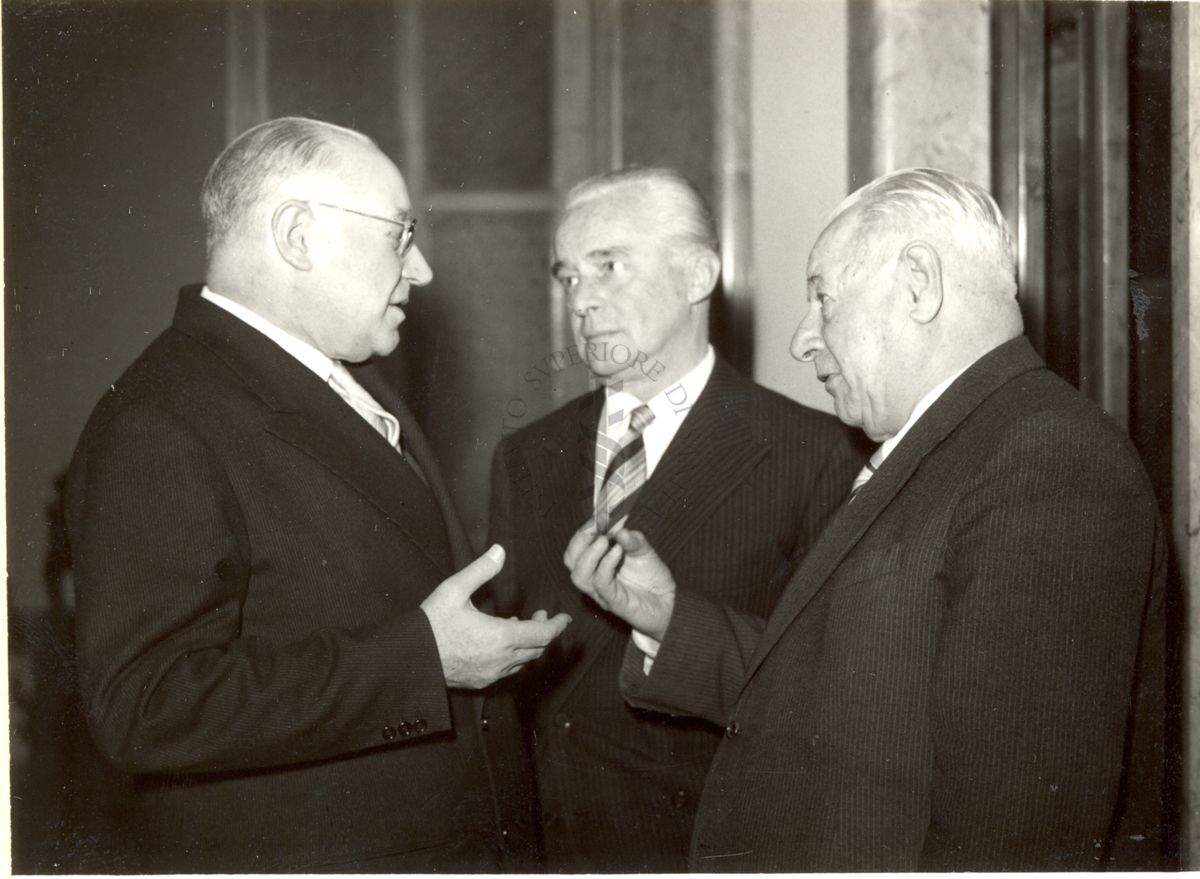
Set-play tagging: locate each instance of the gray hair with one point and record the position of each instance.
(687, 220)
(919, 196)
(246, 170)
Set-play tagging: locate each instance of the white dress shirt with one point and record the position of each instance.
(670, 407)
(318, 362)
(302, 351)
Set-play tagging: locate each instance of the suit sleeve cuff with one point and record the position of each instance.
(648, 646)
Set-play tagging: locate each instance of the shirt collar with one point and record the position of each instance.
(920, 409)
(670, 405)
(302, 351)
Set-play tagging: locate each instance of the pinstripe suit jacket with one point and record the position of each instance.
(965, 673)
(249, 559)
(742, 491)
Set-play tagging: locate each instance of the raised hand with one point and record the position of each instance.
(477, 649)
(624, 575)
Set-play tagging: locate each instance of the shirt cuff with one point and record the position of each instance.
(648, 646)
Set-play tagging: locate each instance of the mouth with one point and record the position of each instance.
(600, 334)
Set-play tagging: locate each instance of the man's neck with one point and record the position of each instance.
(654, 376)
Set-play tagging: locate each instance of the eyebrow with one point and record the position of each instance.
(605, 252)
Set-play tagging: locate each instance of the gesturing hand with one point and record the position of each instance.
(625, 577)
(476, 649)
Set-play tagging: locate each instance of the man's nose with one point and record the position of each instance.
(807, 340)
(585, 297)
(416, 271)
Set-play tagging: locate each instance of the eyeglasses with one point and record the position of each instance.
(408, 228)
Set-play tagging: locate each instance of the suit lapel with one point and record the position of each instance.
(711, 455)
(308, 415)
(852, 520)
(416, 446)
(562, 482)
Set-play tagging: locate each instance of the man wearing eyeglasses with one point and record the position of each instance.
(275, 630)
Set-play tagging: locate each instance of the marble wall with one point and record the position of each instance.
(919, 87)
(1185, 281)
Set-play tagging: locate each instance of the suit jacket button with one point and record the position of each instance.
(483, 724)
(562, 721)
(679, 799)
(389, 733)
(405, 728)
(420, 726)
(731, 730)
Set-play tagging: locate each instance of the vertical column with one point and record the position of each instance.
(583, 84)
(608, 52)
(1019, 148)
(919, 87)
(1104, 209)
(1185, 279)
(410, 105)
(246, 68)
(731, 93)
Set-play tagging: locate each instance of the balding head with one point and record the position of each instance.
(310, 226)
(913, 279)
(251, 170)
(958, 217)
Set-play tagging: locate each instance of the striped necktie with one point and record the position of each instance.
(626, 473)
(364, 404)
(868, 470)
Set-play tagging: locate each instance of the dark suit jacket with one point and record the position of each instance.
(742, 491)
(966, 671)
(249, 560)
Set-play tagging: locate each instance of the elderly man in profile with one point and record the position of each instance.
(731, 482)
(273, 639)
(966, 671)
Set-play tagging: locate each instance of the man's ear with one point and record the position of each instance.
(920, 274)
(704, 269)
(290, 226)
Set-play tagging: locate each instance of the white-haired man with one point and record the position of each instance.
(730, 481)
(272, 637)
(966, 672)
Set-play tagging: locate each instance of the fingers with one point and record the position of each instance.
(584, 568)
(465, 582)
(618, 525)
(535, 634)
(634, 543)
(580, 541)
(607, 570)
(539, 615)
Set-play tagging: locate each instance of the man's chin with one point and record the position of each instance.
(845, 414)
(384, 347)
(605, 370)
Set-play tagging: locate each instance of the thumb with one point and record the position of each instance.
(465, 582)
(633, 542)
